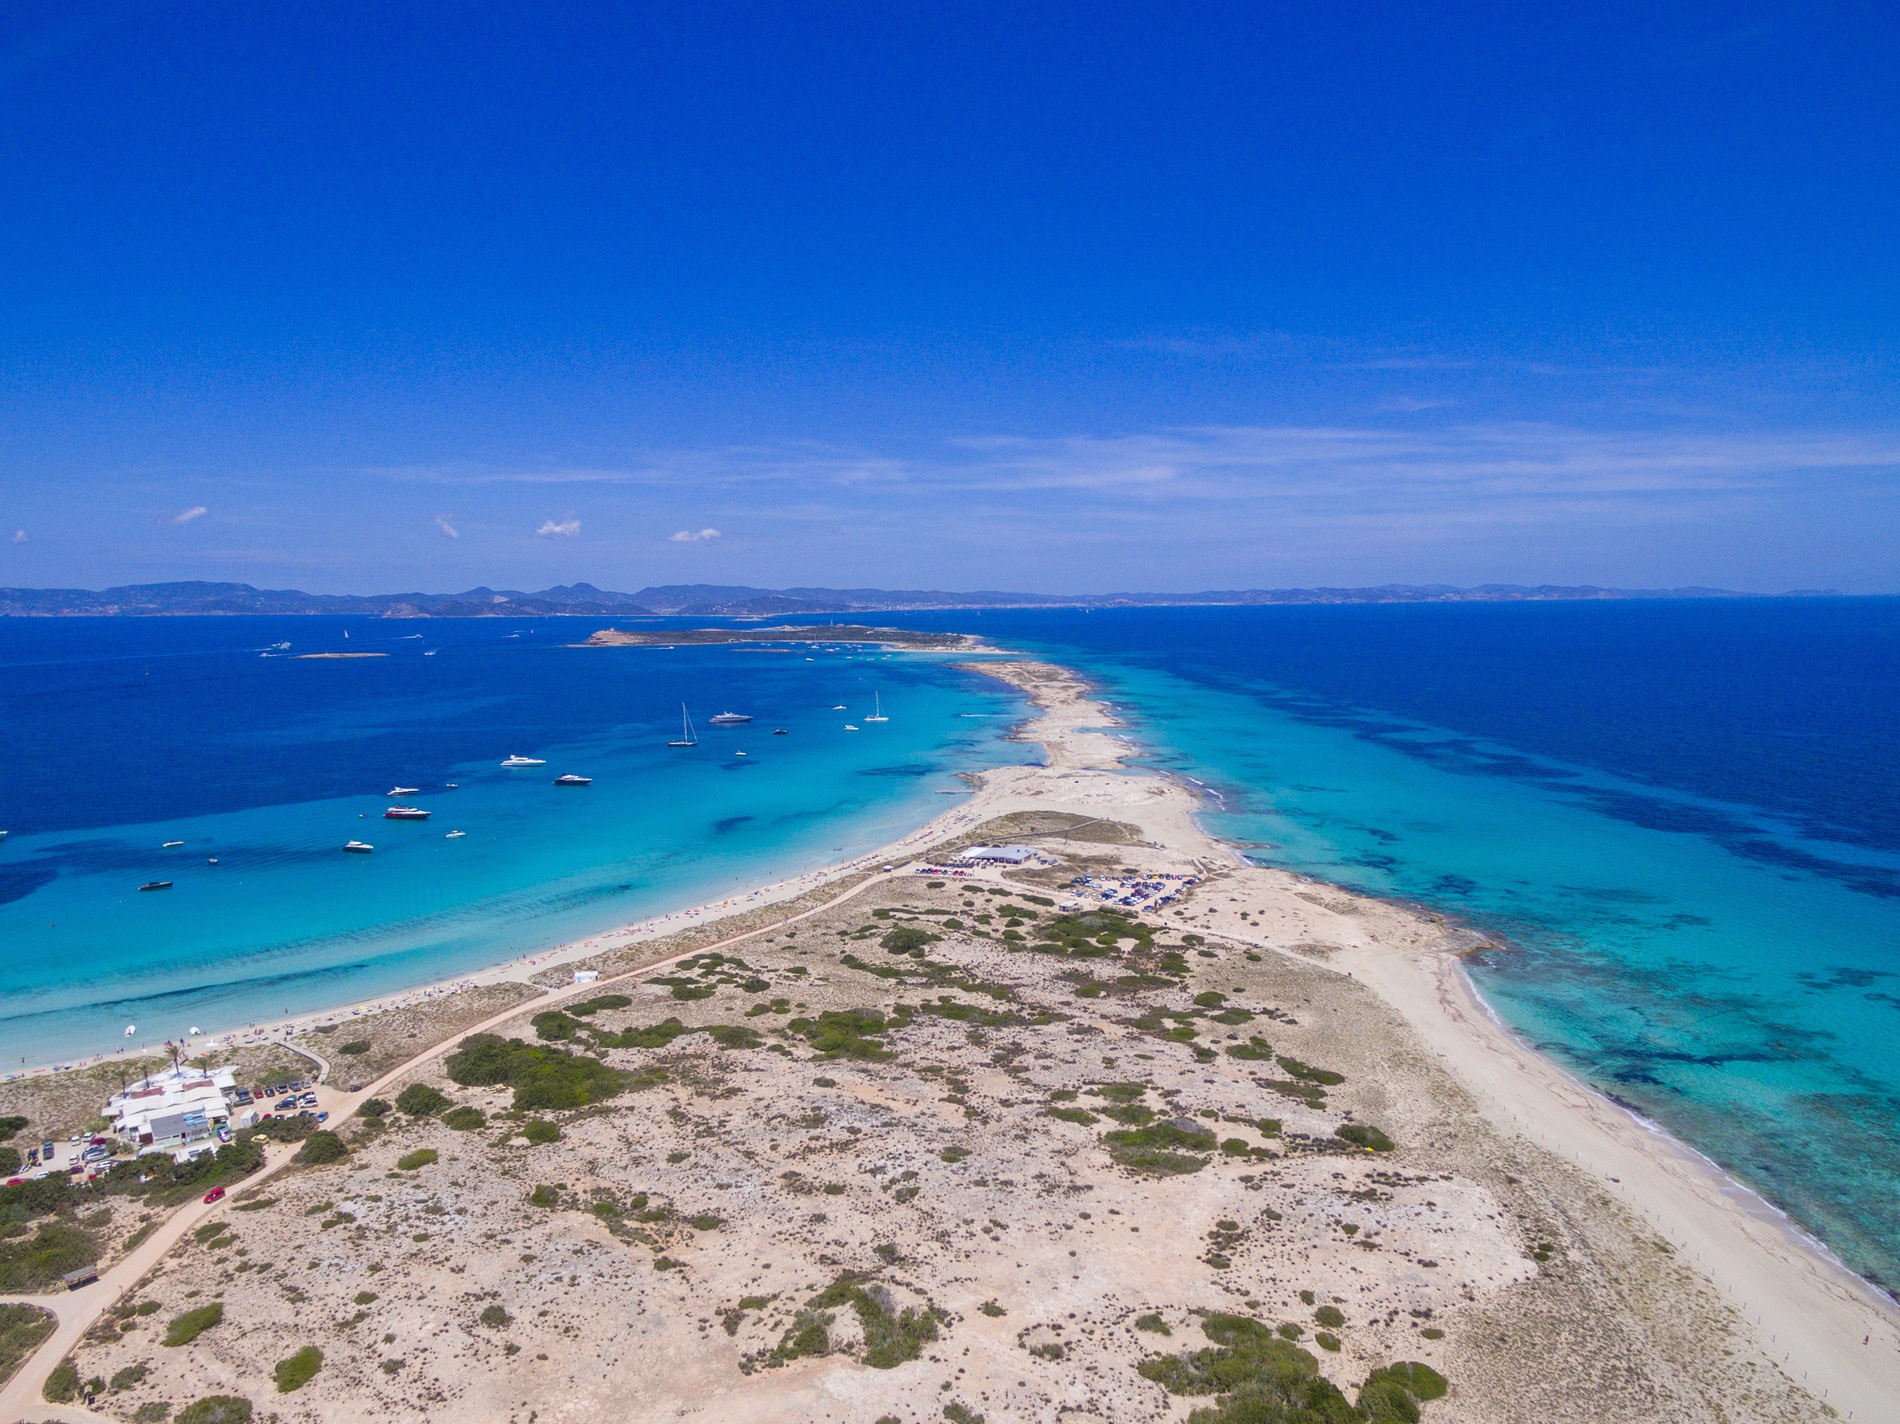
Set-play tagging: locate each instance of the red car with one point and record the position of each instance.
(215, 1194)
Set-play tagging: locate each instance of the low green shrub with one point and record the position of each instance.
(421, 1100)
(1364, 1135)
(543, 1078)
(23, 1329)
(1331, 1316)
(1393, 1394)
(10, 1125)
(598, 1003)
(413, 1161)
(320, 1149)
(545, 1196)
(1152, 1323)
(354, 1048)
(1160, 1147)
(62, 1385)
(1307, 1073)
(1255, 1050)
(298, 1370)
(464, 1119)
(495, 1317)
(193, 1323)
(374, 1108)
(539, 1131)
(31, 1264)
(216, 1409)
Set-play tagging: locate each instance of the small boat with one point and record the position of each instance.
(431, 652)
(524, 761)
(405, 813)
(849, 728)
(360, 847)
(738, 753)
(878, 715)
(729, 719)
(451, 785)
(156, 885)
(572, 780)
(402, 791)
(211, 860)
(780, 732)
(688, 738)
(453, 834)
(838, 708)
(169, 844)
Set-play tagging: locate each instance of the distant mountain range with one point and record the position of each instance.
(157, 599)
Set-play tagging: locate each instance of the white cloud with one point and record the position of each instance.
(690, 536)
(449, 531)
(19, 536)
(197, 511)
(567, 527)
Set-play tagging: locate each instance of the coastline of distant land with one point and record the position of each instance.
(781, 633)
(740, 601)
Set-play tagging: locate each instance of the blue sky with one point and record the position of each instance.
(354, 297)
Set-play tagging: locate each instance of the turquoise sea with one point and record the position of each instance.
(128, 734)
(1681, 819)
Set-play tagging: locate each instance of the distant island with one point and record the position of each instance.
(822, 633)
(738, 601)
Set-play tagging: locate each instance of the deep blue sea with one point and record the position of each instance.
(1683, 817)
(125, 734)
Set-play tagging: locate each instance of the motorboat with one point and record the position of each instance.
(729, 719)
(738, 753)
(572, 780)
(849, 728)
(169, 844)
(688, 738)
(452, 835)
(838, 708)
(402, 791)
(405, 813)
(360, 847)
(780, 732)
(524, 761)
(878, 714)
(156, 885)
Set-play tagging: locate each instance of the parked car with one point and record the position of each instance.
(46, 1149)
(215, 1194)
(323, 1117)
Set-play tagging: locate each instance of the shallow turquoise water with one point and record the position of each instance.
(286, 922)
(1727, 998)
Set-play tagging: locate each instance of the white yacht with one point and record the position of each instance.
(878, 715)
(729, 719)
(402, 791)
(360, 847)
(572, 780)
(524, 761)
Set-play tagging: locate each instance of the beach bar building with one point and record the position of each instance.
(170, 1111)
(999, 855)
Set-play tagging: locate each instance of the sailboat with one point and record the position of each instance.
(878, 715)
(688, 738)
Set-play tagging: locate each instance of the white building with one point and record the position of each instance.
(999, 855)
(172, 1110)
